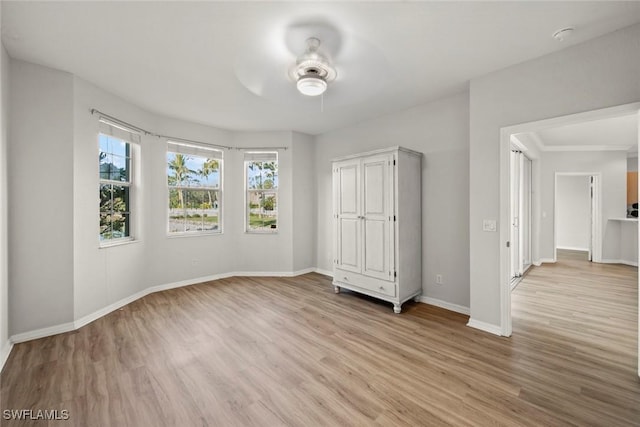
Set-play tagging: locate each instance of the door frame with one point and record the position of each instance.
(505, 198)
(595, 231)
(522, 194)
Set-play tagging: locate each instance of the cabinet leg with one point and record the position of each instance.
(397, 308)
(336, 289)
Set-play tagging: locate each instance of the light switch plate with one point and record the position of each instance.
(489, 225)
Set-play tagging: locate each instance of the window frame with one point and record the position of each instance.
(248, 158)
(131, 148)
(190, 149)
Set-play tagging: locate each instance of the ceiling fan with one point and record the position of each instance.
(307, 58)
(313, 71)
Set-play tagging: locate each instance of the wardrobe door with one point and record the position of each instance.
(377, 215)
(346, 180)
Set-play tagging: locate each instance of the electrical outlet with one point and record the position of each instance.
(439, 279)
(489, 225)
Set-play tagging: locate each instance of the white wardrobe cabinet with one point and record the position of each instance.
(377, 224)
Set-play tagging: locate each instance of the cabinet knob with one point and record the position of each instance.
(346, 278)
(382, 288)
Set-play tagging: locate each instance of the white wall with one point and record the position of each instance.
(440, 130)
(613, 193)
(156, 259)
(632, 164)
(40, 152)
(4, 275)
(54, 139)
(573, 212)
(265, 252)
(305, 212)
(597, 74)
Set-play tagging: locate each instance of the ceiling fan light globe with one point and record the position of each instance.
(311, 85)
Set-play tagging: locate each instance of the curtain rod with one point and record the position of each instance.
(120, 122)
(262, 148)
(173, 138)
(139, 129)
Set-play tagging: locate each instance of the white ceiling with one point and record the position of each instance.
(616, 133)
(225, 63)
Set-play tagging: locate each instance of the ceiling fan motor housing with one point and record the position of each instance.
(312, 71)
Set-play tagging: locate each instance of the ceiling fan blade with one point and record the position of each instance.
(266, 71)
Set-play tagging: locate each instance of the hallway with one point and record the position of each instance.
(577, 322)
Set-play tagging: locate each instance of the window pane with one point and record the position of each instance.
(114, 225)
(120, 168)
(262, 175)
(114, 211)
(263, 211)
(120, 198)
(114, 165)
(176, 223)
(194, 182)
(254, 175)
(106, 165)
(115, 162)
(270, 175)
(193, 210)
(112, 145)
(210, 173)
(114, 198)
(178, 173)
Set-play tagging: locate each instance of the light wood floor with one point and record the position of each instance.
(288, 351)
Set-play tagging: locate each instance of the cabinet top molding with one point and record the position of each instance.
(380, 151)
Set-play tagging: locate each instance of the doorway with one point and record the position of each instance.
(577, 214)
(539, 215)
(520, 220)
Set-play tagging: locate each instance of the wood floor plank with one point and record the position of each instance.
(264, 351)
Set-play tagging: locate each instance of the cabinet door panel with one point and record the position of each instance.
(377, 211)
(374, 188)
(348, 189)
(375, 253)
(347, 215)
(348, 251)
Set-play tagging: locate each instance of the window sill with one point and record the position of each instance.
(268, 233)
(117, 243)
(181, 235)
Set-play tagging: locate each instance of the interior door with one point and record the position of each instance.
(377, 217)
(593, 213)
(514, 246)
(525, 215)
(347, 183)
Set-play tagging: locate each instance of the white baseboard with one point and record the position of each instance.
(303, 271)
(515, 282)
(619, 261)
(263, 274)
(4, 353)
(544, 261)
(188, 282)
(324, 272)
(446, 305)
(41, 333)
(85, 320)
(487, 327)
(570, 248)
